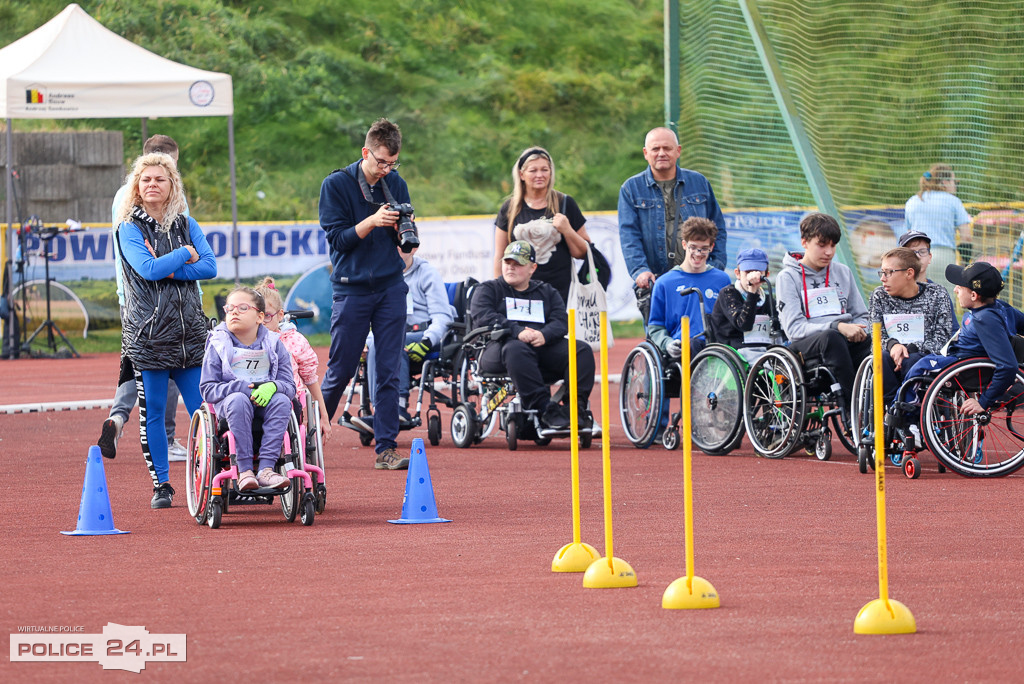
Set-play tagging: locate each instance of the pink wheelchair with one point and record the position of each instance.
(212, 471)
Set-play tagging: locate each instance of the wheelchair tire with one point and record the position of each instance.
(586, 439)
(308, 514)
(774, 402)
(215, 514)
(716, 400)
(434, 429)
(641, 395)
(988, 445)
(463, 426)
(912, 468)
(823, 447)
(542, 441)
(199, 470)
(670, 439)
(512, 434)
(862, 414)
(863, 456)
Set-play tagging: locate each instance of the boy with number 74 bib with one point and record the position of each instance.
(820, 307)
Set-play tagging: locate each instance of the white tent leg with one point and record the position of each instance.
(234, 195)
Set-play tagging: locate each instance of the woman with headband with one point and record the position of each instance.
(550, 221)
(937, 212)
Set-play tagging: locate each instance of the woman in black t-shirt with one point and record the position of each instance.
(551, 221)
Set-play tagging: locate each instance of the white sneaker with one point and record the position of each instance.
(176, 452)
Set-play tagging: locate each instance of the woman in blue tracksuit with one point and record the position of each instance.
(163, 255)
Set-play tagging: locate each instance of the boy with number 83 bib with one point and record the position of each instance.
(820, 307)
(247, 373)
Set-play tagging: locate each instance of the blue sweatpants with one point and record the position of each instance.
(240, 412)
(152, 399)
(351, 319)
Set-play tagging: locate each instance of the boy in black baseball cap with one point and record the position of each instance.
(984, 331)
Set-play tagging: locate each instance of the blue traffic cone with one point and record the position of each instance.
(418, 506)
(94, 516)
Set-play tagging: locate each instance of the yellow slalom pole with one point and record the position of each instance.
(575, 556)
(610, 571)
(881, 616)
(689, 591)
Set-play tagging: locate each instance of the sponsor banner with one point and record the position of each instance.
(459, 247)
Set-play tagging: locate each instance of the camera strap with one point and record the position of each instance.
(367, 191)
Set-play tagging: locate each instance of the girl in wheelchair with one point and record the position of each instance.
(247, 375)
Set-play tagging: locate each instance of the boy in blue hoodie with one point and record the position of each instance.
(984, 331)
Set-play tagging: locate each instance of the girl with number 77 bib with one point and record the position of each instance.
(915, 317)
(247, 374)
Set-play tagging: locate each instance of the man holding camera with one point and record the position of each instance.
(358, 212)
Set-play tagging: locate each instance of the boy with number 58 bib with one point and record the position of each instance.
(820, 307)
(247, 373)
(915, 316)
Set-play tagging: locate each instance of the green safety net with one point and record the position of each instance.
(883, 90)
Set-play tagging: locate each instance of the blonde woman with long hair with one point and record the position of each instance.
(549, 220)
(163, 254)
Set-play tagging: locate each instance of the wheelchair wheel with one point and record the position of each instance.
(315, 449)
(670, 439)
(308, 514)
(291, 500)
(512, 433)
(774, 400)
(586, 439)
(215, 515)
(199, 471)
(434, 429)
(716, 400)
(862, 414)
(463, 426)
(641, 400)
(990, 444)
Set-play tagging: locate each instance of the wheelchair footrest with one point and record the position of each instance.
(264, 494)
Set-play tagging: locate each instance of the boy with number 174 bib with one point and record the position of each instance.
(820, 307)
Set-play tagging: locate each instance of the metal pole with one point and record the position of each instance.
(9, 231)
(234, 195)
(798, 135)
(672, 65)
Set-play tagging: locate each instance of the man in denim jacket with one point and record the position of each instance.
(664, 194)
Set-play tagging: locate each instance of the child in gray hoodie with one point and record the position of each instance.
(820, 306)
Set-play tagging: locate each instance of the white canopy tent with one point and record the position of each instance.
(72, 67)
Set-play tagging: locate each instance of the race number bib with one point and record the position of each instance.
(526, 310)
(823, 301)
(907, 328)
(759, 334)
(250, 365)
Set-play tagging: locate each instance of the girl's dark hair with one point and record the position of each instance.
(817, 225)
(257, 298)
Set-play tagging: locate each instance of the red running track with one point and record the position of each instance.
(790, 546)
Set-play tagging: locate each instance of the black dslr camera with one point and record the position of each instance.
(406, 235)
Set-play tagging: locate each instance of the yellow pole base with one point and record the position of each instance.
(574, 557)
(877, 618)
(699, 594)
(600, 576)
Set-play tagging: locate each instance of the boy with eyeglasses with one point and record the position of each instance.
(820, 307)
(921, 245)
(668, 306)
(915, 316)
